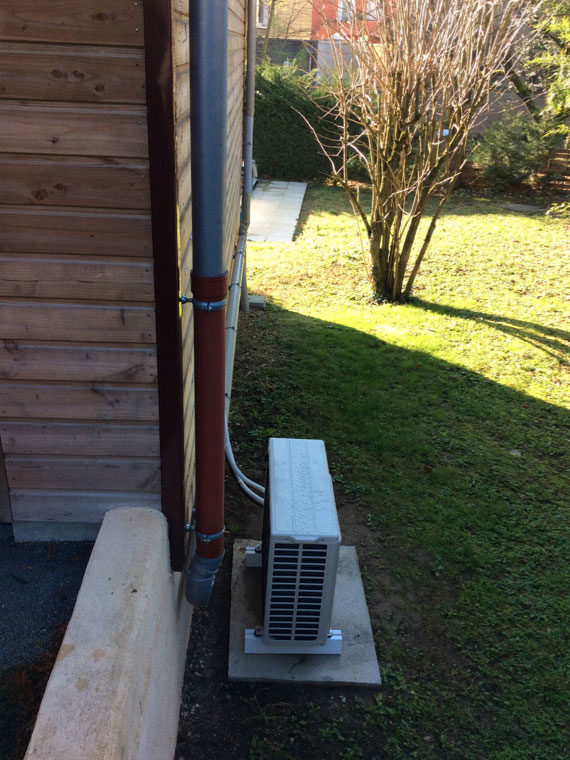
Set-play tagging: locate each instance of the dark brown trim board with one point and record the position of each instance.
(160, 105)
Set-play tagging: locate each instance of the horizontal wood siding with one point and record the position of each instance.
(69, 129)
(88, 474)
(105, 183)
(39, 229)
(75, 277)
(71, 74)
(184, 192)
(93, 439)
(76, 506)
(45, 320)
(78, 402)
(99, 22)
(25, 360)
(78, 371)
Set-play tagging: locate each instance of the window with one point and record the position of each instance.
(373, 13)
(263, 13)
(348, 10)
(345, 10)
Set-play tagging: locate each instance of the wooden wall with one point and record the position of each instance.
(78, 393)
(183, 171)
(78, 368)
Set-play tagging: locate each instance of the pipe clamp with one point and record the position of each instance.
(208, 538)
(205, 305)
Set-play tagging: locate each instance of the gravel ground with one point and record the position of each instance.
(39, 583)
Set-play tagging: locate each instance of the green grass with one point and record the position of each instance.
(447, 431)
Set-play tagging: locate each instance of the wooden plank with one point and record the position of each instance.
(183, 139)
(45, 276)
(5, 508)
(185, 179)
(235, 25)
(86, 130)
(28, 229)
(105, 22)
(76, 506)
(120, 183)
(181, 6)
(78, 75)
(182, 91)
(181, 33)
(77, 402)
(97, 364)
(34, 320)
(85, 474)
(188, 352)
(79, 439)
(189, 402)
(190, 457)
(185, 267)
(237, 7)
(185, 233)
(184, 189)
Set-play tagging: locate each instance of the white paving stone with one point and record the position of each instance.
(275, 208)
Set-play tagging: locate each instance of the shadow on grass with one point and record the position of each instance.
(461, 485)
(553, 341)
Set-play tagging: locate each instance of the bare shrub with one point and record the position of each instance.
(418, 75)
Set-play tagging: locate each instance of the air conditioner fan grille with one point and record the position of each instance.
(296, 591)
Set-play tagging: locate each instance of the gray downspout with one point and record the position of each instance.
(209, 76)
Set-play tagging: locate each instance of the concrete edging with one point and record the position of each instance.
(115, 688)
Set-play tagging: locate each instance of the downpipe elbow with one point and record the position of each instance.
(200, 579)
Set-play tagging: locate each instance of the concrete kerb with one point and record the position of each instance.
(115, 688)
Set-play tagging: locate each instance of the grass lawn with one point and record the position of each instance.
(447, 430)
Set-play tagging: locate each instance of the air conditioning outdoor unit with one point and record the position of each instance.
(299, 553)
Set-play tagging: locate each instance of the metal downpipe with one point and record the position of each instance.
(208, 67)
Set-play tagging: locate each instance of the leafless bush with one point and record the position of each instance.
(420, 73)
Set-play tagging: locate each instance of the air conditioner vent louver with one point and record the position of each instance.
(295, 596)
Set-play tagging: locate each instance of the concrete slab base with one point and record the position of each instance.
(357, 665)
(524, 208)
(257, 302)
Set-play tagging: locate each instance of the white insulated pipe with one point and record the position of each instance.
(238, 287)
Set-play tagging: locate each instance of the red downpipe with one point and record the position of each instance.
(209, 341)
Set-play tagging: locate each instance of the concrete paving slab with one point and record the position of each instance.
(524, 208)
(357, 665)
(275, 208)
(257, 302)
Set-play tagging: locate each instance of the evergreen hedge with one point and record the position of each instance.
(283, 145)
(514, 148)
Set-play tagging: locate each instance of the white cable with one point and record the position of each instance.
(240, 477)
(238, 275)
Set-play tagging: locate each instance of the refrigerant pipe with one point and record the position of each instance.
(236, 290)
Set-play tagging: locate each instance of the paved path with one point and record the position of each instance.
(275, 208)
(38, 586)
